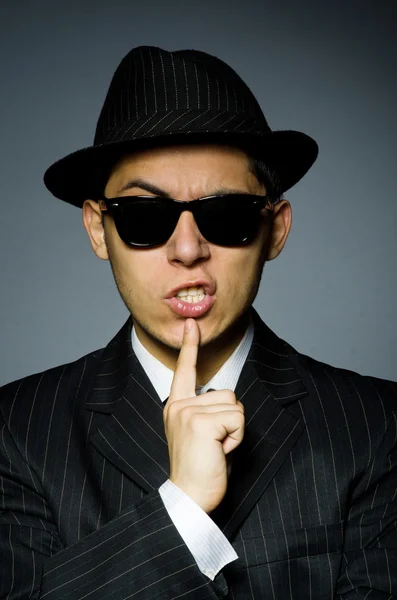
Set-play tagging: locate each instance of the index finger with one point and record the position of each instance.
(184, 380)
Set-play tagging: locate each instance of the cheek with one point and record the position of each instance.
(135, 270)
(239, 267)
(140, 271)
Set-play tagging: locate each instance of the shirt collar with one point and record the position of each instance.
(225, 378)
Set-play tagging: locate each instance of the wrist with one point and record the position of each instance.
(207, 500)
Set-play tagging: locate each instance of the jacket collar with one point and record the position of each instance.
(270, 356)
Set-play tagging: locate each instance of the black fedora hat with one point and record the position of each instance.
(158, 97)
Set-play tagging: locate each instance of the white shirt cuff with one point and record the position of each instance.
(210, 548)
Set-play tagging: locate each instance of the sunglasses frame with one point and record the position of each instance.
(111, 205)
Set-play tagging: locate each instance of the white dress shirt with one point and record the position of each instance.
(209, 547)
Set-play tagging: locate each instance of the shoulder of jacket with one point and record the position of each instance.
(24, 390)
(347, 384)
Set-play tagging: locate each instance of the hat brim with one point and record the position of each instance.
(83, 174)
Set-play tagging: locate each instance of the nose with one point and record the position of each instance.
(187, 245)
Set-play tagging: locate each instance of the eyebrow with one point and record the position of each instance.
(156, 191)
(143, 185)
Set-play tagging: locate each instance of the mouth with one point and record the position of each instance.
(192, 288)
(192, 299)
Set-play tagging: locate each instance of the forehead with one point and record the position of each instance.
(184, 167)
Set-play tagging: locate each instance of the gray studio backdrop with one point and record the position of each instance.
(326, 68)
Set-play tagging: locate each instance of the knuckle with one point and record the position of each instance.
(239, 419)
(241, 414)
(176, 410)
(231, 396)
(224, 396)
(171, 409)
(196, 422)
(185, 413)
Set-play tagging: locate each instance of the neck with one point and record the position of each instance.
(214, 354)
(211, 356)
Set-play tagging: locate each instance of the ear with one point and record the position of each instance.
(92, 220)
(281, 225)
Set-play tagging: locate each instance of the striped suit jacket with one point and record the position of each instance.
(311, 505)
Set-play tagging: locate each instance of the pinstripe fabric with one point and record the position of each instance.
(158, 95)
(311, 507)
(195, 85)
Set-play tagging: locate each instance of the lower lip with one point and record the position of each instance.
(190, 309)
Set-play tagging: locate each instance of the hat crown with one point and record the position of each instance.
(157, 98)
(150, 81)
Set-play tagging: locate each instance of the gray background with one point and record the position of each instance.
(326, 68)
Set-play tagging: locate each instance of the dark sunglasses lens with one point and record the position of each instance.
(229, 221)
(144, 222)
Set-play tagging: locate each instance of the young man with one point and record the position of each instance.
(197, 455)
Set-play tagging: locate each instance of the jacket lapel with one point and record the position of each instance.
(132, 434)
(268, 383)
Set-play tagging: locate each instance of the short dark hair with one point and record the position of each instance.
(267, 177)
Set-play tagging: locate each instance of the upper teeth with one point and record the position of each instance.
(192, 294)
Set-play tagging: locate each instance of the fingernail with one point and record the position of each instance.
(188, 325)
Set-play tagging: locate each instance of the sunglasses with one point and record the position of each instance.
(148, 221)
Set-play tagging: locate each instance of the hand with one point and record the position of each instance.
(201, 430)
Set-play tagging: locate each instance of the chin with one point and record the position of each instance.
(172, 335)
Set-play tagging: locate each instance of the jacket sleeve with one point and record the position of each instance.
(139, 554)
(369, 562)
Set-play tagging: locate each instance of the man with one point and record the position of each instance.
(197, 455)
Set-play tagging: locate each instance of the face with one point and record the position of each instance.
(145, 277)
